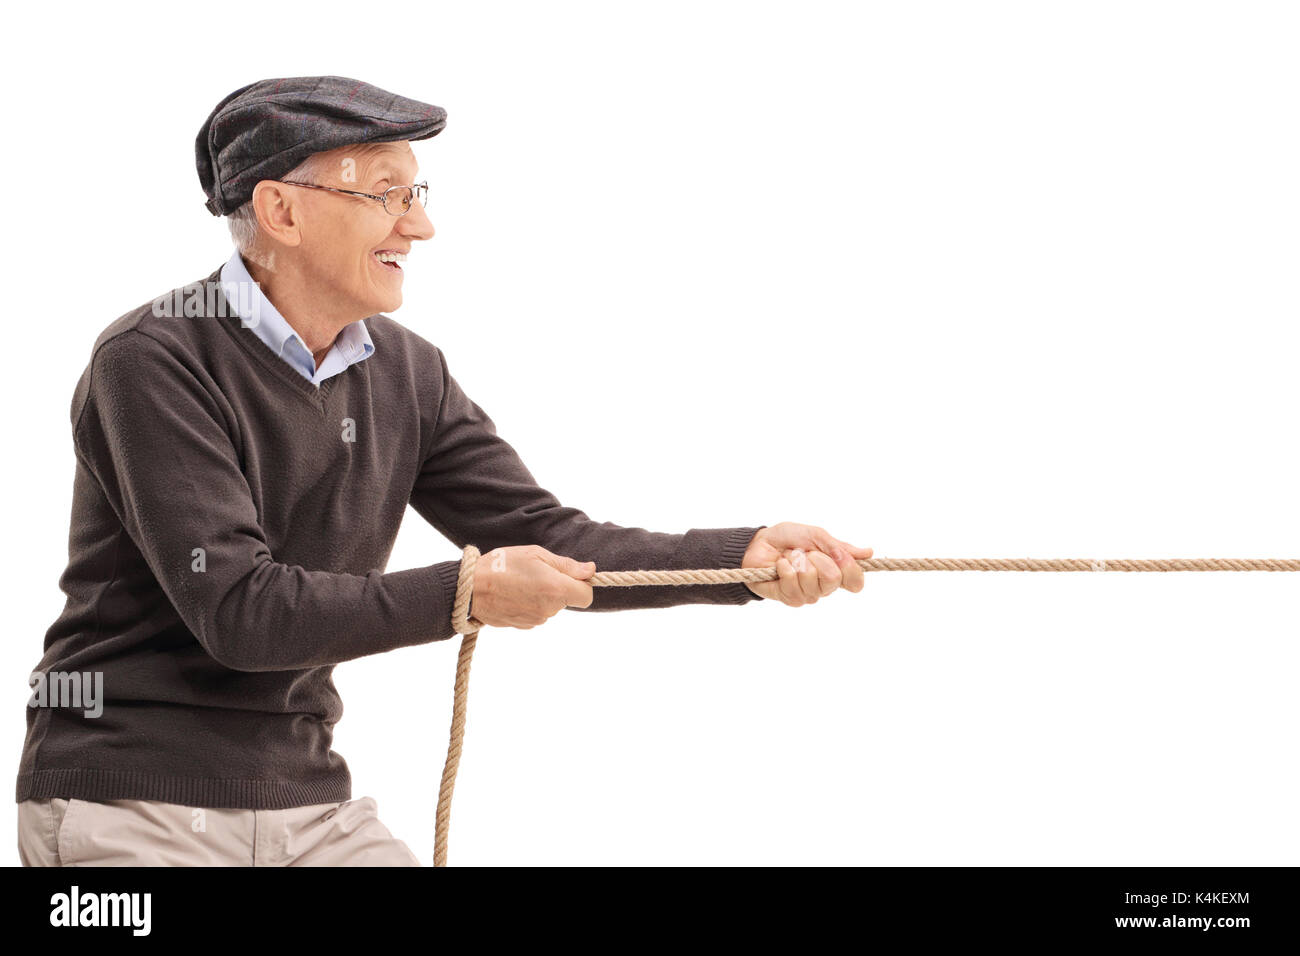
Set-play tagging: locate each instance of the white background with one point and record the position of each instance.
(947, 279)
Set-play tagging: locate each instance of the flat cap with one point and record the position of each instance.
(263, 130)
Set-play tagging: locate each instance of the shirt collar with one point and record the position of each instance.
(257, 313)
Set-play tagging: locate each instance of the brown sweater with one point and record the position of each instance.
(228, 544)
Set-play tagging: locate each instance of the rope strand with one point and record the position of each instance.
(469, 627)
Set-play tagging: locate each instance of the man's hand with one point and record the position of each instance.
(809, 561)
(527, 585)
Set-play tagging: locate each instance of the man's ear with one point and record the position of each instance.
(277, 213)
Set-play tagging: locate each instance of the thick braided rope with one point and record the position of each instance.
(469, 627)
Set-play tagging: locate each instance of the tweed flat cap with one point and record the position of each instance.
(263, 130)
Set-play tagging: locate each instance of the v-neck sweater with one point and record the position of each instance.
(231, 526)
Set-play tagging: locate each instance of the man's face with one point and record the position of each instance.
(343, 236)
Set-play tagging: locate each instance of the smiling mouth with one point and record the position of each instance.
(389, 260)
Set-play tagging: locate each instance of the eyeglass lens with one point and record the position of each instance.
(397, 199)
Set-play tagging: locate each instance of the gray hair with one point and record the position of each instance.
(243, 220)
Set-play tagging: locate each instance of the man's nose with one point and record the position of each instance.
(416, 223)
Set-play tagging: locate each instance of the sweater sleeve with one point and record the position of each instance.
(474, 489)
(157, 443)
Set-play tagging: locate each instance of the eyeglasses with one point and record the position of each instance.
(396, 199)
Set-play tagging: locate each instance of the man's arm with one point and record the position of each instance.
(474, 488)
(157, 444)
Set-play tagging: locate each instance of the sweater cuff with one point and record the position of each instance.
(448, 578)
(414, 607)
(733, 552)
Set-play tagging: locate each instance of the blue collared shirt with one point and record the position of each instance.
(352, 345)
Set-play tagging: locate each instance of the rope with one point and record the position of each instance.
(469, 626)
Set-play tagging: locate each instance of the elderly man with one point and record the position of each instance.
(243, 462)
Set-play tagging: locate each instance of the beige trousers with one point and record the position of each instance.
(58, 832)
